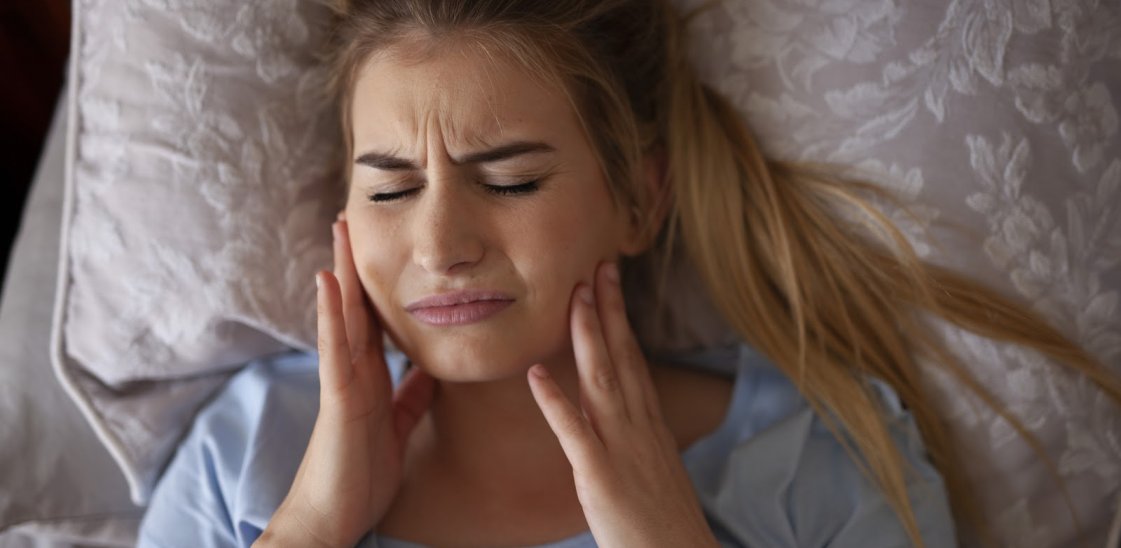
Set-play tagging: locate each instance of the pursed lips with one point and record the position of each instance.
(459, 307)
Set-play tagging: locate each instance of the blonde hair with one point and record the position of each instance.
(830, 301)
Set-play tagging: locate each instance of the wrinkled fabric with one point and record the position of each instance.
(200, 172)
(770, 475)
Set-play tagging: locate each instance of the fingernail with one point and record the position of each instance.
(585, 294)
(612, 273)
(539, 371)
(341, 215)
(317, 282)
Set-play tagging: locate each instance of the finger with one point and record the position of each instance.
(335, 368)
(579, 441)
(599, 383)
(356, 312)
(411, 401)
(622, 347)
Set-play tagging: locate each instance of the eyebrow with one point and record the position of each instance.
(388, 162)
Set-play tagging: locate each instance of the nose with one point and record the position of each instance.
(447, 234)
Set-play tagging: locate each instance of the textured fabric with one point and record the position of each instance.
(771, 474)
(998, 116)
(197, 211)
(58, 485)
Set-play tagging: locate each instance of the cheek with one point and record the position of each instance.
(376, 261)
(562, 242)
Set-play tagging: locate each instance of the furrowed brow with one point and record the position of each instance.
(388, 162)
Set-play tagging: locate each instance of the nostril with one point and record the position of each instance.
(450, 254)
(460, 266)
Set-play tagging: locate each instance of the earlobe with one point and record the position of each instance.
(635, 240)
(644, 222)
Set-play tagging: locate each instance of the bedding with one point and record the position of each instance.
(198, 199)
(58, 484)
(197, 211)
(1000, 119)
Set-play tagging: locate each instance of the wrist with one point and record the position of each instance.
(290, 528)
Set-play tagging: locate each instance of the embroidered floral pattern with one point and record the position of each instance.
(998, 116)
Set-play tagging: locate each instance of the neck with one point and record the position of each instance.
(479, 431)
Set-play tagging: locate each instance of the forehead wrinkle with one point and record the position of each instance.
(471, 128)
(442, 107)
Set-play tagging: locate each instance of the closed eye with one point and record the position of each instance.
(501, 190)
(391, 196)
(521, 188)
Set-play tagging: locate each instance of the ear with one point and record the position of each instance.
(645, 223)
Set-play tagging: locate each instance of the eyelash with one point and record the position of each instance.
(501, 190)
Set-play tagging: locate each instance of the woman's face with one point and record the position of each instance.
(473, 183)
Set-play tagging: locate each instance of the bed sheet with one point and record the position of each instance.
(58, 485)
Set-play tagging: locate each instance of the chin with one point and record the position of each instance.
(479, 359)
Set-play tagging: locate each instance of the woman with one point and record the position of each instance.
(503, 157)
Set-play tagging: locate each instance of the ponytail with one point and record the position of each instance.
(798, 261)
(827, 300)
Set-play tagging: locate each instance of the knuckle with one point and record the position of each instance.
(590, 483)
(606, 380)
(588, 314)
(572, 424)
(587, 325)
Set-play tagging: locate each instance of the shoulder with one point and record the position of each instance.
(773, 474)
(237, 461)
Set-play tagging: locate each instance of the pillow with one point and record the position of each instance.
(1002, 120)
(58, 481)
(198, 204)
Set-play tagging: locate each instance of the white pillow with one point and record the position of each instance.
(58, 481)
(998, 117)
(198, 203)
(1001, 118)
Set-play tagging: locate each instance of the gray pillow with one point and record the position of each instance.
(197, 206)
(198, 203)
(59, 482)
(998, 117)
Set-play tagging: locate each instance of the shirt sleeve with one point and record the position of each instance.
(236, 464)
(786, 481)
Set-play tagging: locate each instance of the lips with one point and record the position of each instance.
(460, 307)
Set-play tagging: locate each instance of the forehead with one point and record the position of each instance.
(473, 97)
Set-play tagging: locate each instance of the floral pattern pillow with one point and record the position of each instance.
(997, 117)
(199, 196)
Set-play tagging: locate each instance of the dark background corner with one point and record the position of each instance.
(34, 44)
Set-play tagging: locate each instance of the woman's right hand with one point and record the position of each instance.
(352, 468)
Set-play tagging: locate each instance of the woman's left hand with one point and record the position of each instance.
(629, 476)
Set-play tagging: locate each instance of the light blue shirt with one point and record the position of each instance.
(771, 475)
